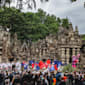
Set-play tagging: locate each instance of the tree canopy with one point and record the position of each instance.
(69, 68)
(83, 37)
(30, 25)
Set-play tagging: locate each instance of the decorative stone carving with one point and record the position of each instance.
(67, 55)
(73, 51)
(52, 47)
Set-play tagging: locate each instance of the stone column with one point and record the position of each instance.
(40, 53)
(78, 51)
(59, 51)
(73, 53)
(0, 59)
(67, 55)
(63, 55)
(44, 51)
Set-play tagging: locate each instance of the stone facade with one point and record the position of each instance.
(62, 46)
(4, 45)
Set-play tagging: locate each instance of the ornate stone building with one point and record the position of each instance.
(62, 46)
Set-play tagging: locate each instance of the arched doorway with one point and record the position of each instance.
(11, 59)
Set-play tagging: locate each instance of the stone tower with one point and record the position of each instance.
(4, 45)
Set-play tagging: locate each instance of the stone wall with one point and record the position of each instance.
(62, 46)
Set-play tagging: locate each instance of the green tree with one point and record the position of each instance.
(68, 68)
(65, 23)
(29, 25)
(59, 21)
(83, 37)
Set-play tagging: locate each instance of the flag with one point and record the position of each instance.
(31, 62)
(36, 64)
(55, 66)
(46, 65)
(41, 64)
(37, 67)
(52, 68)
(25, 66)
(23, 63)
(33, 65)
(22, 66)
(54, 81)
(59, 63)
(55, 62)
(48, 61)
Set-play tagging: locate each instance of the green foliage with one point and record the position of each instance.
(68, 68)
(83, 37)
(30, 25)
(65, 23)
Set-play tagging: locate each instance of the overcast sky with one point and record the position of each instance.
(64, 8)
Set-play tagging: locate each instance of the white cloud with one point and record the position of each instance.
(64, 8)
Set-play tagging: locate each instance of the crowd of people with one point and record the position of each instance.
(41, 78)
(42, 73)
